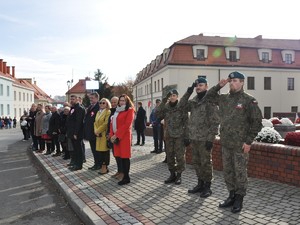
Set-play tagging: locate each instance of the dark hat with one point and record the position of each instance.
(201, 80)
(174, 92)
(236, 74)
(157, 100)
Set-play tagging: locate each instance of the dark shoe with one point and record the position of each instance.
(238, 204)
(84, 161)
(96, 168)
(171, 178)
(154, 151)
(142, 144)
(178, 179)
(70, 164)
(48, 153)
(124, 181)
(65, 158)
(229, 201)
(198, 188)
(90, 168)
(137, 144)
(207, 191)
(165, 161)
(158, 151)
(56, 154)
(74, 168)
(102, 173)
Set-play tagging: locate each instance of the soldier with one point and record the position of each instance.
(203, 127)
(175, 119)
(240, 122)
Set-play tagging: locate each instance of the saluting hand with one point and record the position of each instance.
(223, 82)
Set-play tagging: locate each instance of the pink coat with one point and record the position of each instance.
(124, 133)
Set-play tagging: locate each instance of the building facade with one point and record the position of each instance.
(271, 66)
(6, 97)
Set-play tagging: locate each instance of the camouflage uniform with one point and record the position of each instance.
(175, 122)
(203, 126)
(240, 122)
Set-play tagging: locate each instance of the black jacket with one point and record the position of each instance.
(75, 122)
(89, 120)
(54, 124)
(140, 121)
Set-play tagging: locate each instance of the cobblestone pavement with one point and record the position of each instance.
(98, 199)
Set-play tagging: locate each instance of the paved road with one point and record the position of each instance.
(27, 195)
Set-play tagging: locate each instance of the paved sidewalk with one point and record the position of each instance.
(147, 200)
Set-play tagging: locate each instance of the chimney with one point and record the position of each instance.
(35, 82)
(13, 71)
(8, 69)
(4, 67)
(259, 37)
(1, 65)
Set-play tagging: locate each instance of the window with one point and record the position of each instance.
(23, 97)
(265, 57)
(30, 98)
(20, 96)
(232, 56)
(27, 97)
(200, 54)
(290, 84)
(15, 95)
(288, 58)
(20, 112)
(154, 86)
(7, 90)
(158, 86)
(8, 109)
(162, 83)
(267, 112)
(267, 83)
(1, 109)
(15, 110)
(294, 109)
(1, 90)
(250, 83)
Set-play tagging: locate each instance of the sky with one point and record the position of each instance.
(60, 40)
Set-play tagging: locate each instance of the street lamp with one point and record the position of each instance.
(69, 83)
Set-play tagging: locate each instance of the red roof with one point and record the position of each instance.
(79, 87)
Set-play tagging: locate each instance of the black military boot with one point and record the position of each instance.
(206, 191)
(238, 204)
(178, 179)
(229, 201)
(198, 188)
(171, 178)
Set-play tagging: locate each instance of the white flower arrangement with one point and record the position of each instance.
(268, 135)
(286, 121)
(266, 123)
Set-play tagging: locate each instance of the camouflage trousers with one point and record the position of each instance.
(201, 159)
(235, 163)
(175, 154)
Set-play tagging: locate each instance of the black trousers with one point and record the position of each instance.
(102, 158)
(126, 168)
(93, 148)
(77, 152)
(118, 161)
(139, 134)
(158, 137)
(55, 143)
(25, 133)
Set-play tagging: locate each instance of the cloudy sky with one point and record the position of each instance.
(55, 41)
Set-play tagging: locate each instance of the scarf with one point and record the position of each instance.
(114, 120)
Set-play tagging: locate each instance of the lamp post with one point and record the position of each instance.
(69, 83)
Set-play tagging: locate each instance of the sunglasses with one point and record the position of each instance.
(103, 103)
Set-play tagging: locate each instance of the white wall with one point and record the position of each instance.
(6, 99)
(24, 103)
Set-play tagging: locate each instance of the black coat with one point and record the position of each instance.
(75, 122)
(54, 123)
(140, 120)
(89, 120)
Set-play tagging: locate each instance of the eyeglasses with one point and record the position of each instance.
(103, 103)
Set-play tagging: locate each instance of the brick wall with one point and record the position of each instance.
(274, 162)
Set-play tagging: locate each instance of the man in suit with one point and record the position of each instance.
(89, 120)
(140, 124)
(53, 131)
(75, 131)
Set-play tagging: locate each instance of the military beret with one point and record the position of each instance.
(236, 74)
(157, 100)
(201, 80)
(174, 92)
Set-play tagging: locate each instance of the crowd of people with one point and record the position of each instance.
(6, 122)
(177, 123)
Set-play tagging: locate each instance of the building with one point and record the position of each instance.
(271, 66)
(6, 97)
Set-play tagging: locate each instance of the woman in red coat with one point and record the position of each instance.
(120, 134)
